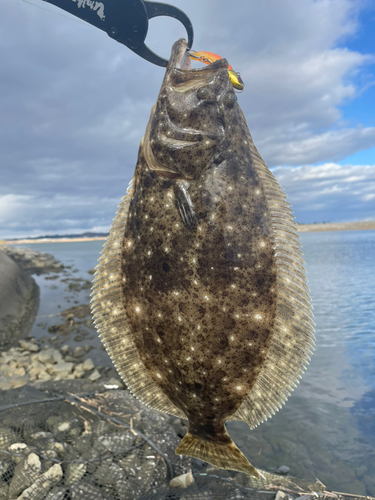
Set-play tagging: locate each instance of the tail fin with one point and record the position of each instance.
(224, 456)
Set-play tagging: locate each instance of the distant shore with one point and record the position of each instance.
(302, 228)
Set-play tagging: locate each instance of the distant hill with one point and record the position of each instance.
(62, 236)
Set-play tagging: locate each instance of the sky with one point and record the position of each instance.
(74, 105)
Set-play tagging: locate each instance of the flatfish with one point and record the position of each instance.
(200, 295)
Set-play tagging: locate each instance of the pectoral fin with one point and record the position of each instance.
(185, 206)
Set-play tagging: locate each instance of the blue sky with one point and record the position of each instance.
(74, 105)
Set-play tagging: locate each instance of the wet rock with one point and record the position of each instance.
(65, 349)
(36, 369)
(94, 376)
(43, 484)
(78, 371)
(79, 312)
(25, 473)
(74, 472)
(29, 346)
(50, 356)
(19, 296)
(182, 481)
(83, 490)
(79, 352)
(43, 376)
(88, 365)
(61, 369)
(282, 470)
(33, 261)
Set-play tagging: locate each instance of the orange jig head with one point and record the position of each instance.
(209, 57)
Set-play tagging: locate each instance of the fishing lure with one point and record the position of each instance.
(210, 57)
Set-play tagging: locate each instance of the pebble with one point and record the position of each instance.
(182, 481)
(65, 350)
(88, 364)
(29, 346)
(283, 470)
(50, 355)
(94, 376)
(79, 352)
(18, 449)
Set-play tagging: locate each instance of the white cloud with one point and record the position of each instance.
(329, 192)
(74, 105)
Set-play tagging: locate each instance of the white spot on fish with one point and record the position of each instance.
(258, 316)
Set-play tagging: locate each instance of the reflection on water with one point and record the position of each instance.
(327, 428)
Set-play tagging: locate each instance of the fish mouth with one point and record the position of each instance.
(180, 60)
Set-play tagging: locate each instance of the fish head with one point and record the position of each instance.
(187, 125)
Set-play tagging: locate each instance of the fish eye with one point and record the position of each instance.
(229, 100)
(203, 93)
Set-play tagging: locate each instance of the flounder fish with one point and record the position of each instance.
(200, 295)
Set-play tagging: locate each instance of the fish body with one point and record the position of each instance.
(200, 296)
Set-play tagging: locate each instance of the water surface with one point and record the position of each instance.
(327, 428)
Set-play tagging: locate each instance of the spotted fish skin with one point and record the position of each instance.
(213, 320)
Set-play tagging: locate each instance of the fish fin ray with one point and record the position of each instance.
(293, 338)
(185, 206)
(110, 321)
(224, 456)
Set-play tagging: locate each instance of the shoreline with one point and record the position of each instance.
(302, 228)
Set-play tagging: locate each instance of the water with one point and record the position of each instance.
(327, 428)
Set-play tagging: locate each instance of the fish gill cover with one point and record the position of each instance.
(200, 295)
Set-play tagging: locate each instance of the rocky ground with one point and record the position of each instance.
(31, 364)
(32, 261)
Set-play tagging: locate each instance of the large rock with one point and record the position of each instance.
(33, 261)
(19, 299)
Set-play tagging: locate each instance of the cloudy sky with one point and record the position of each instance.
(74, 105)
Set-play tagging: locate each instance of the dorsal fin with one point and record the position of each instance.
(110, 320)
(293, 337)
